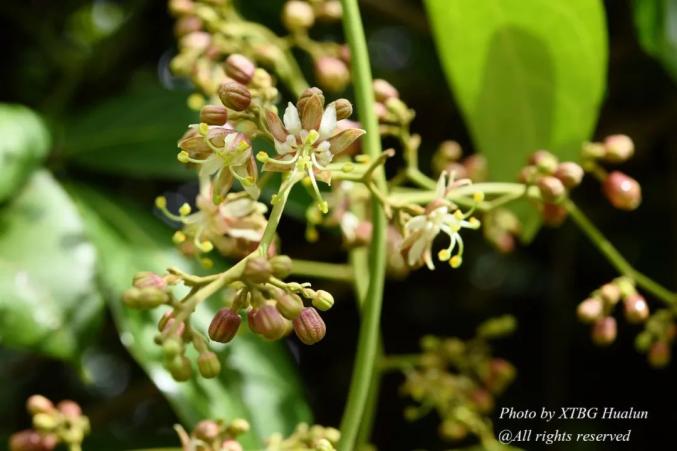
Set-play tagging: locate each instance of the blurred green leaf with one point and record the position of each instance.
(527, 74)
(49, 300)
(656, 23)
(259, 381)
(25, 142)
(132, 135)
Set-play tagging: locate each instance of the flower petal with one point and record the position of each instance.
(291, 119)
(312, 113)
(275, 126)
(328, 122)
(342, 140)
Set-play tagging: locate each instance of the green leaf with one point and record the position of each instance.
(133, 135)
(259, 382)
(656, 24)
(25, 142)
(48, 296)
(527, 74)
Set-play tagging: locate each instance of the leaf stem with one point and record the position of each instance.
(322, 270)
(367, 348)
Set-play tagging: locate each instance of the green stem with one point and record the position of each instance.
(322, 270)
(367, 347)
(615, 258)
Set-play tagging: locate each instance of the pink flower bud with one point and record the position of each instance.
(553, 214)
(268, 322)
(659, 354)
(144, 298)
(604, 331)
(239, 68)
(235, 95)
(618, 148)
(331, 73)
(231, 445)
(187, 24)
(207, 430)
(590, 310)
(635, 308)
(384, 90)
(610, 293)
(30, 440)
(149, 279)
(476, 167)
(224, 325)
(39, 404)
(622, 191)
(544, 160)
(309, 326)
(213, 114)
(569, 173)
(552, 189)
(257, 270)
(69, 408)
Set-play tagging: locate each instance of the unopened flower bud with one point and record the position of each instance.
(604, 331)
(257, 270)
(500, 374)
(659, 354)
(224, 325)
(149, 279)
(590, 310)
(331, 73)
(267, 321)
(482, 400)
(622, 191)
(230, 444)
(207, 430)
(214, 114)
(610, 293)
(297, 15)
(330, 10)
(643, 341)
(45, 422)
(39, 404)
(399, 109)
(281, 266)
(187, 24)
(569, 173)
(238, 426)
(180, 368)
(180, 7)
(635, 308)
(323, 300)
(344, 109)
(235, 95)
(306, 96)
(476, 167)
(553, 214)
(309, 326)
(171, 347)
(289, 305)
(528, 174)
(618, 148)
(453, 430)
(69, 408)
(209, 365)
(552, 189)
(545, 161)
(30, 440)
(144, 298)
(384, 90)
(239, 68)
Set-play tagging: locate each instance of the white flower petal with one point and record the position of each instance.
(291, 119)
(328, 123)
(211, 165)
(416, 251)
(247, 234)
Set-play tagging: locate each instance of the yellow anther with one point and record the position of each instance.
(183, 156)
(248, 181)
(203, 128)
(474, 222)
(444, 255)
(262, 156)
(348, 167)
(185, 209)
(323, 206)
(313, 136)
(179, 237)
(478, 196)
(244, 145)
(458, 214)
(206, 246)
(195, 101)
(161, 202)
(455, 261)
(207, 263)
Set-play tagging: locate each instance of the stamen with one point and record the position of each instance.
(185, 209)
(179, 237)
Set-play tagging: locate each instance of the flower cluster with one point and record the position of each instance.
(440, 216)
(305, 438)
(554, 179)
(210, 435)
(599, 307)
(459, 380)
(449, 158)
(657, 338)
(273, 308)
(52, 426)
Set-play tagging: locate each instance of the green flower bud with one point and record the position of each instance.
(144, 298)
(238, 426)
(545, 161)
(297, 15)
(180, 368)
(309, 326)
(289, 305)
(235, 95)
(452, 429)
(172, 347)
(45, 422)
(643, 341)
(281, 266)
(323, 300)
(209, 365)
(257, 270)
(224, 325)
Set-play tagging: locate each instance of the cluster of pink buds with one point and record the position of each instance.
(210, 435)
(554, 179)
(449, 157)
(657, 338)
(391, 111)
(599, 307)
(52, 426)
(622, 191)
(459, 379)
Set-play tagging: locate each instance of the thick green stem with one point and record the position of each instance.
(367, 348)
(615, 258)
(322, 270)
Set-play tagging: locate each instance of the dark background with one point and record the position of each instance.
(541, 285)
